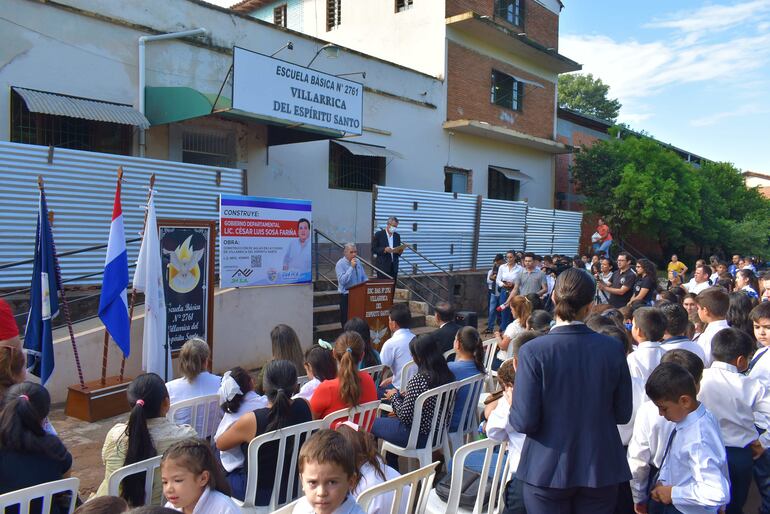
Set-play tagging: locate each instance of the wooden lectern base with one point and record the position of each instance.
(98, 401)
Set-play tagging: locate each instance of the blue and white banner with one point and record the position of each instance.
(264, 241)
(43, 300)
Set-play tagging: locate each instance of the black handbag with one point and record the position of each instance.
(468, 490)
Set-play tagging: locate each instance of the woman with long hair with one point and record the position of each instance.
(371, 356)
(147, 434)
(521, 308)
(572, 373)
(432, 371)
(469, 361)
(279, 384)
(351, 387)
(646, 285)
(285, 346)
(738, 312)
(194, 360)
(604, 275)
(28, 454)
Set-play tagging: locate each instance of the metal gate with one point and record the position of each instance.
(463, 232)
(80, 188)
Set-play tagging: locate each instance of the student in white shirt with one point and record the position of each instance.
(759, 369)
(195, 381)
(740, 404)
(647, 330)
(319, 366)
(677, 322)
(192, 480)
(395, 352)
(236, 398)
(651, 432)
(693, 475)
(372, 469)
(712, 309)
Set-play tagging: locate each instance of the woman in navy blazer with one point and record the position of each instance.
(572, 389)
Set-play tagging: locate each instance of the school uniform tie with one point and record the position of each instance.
(755, 359)
(656, 476)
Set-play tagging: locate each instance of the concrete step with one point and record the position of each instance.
(324, 285)
(325, 314)
(321, 298)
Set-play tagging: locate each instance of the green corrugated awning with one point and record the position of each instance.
(173, 104)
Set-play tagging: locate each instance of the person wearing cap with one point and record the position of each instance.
(12, 359)
(494, 294)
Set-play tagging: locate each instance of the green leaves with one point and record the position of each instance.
(587, 95)
(641, 187)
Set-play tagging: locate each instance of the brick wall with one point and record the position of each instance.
(540, 24)
(469, 80)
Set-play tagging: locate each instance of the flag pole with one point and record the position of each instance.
(106, 333)
(65, 305)
(133, 290)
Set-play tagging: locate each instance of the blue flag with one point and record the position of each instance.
(43, 300)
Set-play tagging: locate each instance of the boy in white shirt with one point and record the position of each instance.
(738, 402)
(693, 474)
(647, 330)
(677, 322)
(651, 432)
(759, 369)
(712, 309)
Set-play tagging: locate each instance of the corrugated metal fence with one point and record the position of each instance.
(445, 227)
(80, 188)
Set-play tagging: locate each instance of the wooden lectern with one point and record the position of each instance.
(371, 301)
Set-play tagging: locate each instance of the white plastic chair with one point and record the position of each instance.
(202, 413)
(419, 481)
(287, 509)
(444, 398)
(304, 379)
(499, 479)
(490, 352)
(147, 466)
(293, 436)
(376, 373)
(44, 492)
(407, 372)
(363, 415)
(468, 422)
(449, 353)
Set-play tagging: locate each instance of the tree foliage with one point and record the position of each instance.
(643, 188)
(588, 95)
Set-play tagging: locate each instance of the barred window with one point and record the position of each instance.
(511, 11)
(507, 91)
(209, 148)
(500, 187)
(66, 132)
(356, 172)
(333, 13)
(456, 180)
(403, 5)
(279, 15)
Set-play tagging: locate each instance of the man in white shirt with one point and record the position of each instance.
(693, 472)
(712, 309)
(298, 254)
(699, 281)
(676, 326)
(395, 352)
(647, 330)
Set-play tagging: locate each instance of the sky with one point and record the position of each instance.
(690, 73)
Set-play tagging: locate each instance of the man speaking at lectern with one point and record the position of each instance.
(350, 272)
(385, 249)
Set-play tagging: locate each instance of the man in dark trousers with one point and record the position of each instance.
(444, 336)
(385, 249)
(572, 389)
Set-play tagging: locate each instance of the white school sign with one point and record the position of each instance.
(283, 91)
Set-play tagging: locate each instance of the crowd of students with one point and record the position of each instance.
(694, 430)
